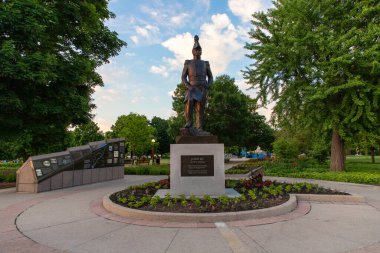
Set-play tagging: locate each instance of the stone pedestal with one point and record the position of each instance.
(197, 169)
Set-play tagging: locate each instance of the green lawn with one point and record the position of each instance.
(359, 169)
(162, 169)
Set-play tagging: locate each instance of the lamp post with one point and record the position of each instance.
(153, 141)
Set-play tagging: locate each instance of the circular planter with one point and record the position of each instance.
(284, 208)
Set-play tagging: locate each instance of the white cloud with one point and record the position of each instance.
(219, 40)
(205, 4)
(179, 19)
(103, 124)
(245, 8)
(171, 93)
(114, 78)
(266, 111)
(137, 96)
(129, 54)
(135, 39)
(245, 88)
(147, 34)
(161, 70)
(221, 43)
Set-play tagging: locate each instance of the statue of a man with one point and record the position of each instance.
(194, 76)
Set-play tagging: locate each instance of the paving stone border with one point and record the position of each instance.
(353, 198)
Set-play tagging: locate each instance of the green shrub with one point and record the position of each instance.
(10, 178)
(362, 172)
(285, 149)
(10, 166)
(319, 151)
(2, 177)
(231, 150)
(147, 170)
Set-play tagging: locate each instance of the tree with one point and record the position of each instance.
(163, 138)
(228, 112)
(86, 133)
(49, 52)
(284, 148)
(320, 61)
(136, 130)
(178, 105)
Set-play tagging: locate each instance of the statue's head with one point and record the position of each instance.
(197, 49)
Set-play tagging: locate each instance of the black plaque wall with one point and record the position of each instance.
(80, 165)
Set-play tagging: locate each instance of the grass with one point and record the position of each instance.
(10, 166)
(8, 178)
(147, 170)
(359, 169)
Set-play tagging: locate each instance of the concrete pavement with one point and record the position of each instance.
(65, 221)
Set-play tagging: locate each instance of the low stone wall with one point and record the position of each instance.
(72, 178)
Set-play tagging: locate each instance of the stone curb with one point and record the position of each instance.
(353, 198)
(284, 208)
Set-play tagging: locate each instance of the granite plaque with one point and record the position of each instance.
(197, 165)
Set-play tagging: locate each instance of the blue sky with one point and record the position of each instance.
(160, 35)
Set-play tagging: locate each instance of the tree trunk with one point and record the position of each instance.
(372, 149)
(337, 152)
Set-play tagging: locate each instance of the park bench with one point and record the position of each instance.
(142, 161)
(128, 161)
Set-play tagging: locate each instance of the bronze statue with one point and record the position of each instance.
(194, 76)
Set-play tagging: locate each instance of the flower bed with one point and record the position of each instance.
(255, 194)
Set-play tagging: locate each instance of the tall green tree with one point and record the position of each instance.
(163, 138)
(228, 112)
(86, 133)
(136, 130)
(49, 52)
(178, 105)
(320, 61)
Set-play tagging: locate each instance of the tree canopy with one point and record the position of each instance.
(320, 61)
(136, 130)
(49, 53)
(163, 138)
(86, 133)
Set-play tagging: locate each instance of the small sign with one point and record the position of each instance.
(109, 160)
(46, 163)
(110, 148)
(116, 154)
(39, 173)
(53, 160)
(197, 165)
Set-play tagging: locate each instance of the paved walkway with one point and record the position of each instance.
(65, 221)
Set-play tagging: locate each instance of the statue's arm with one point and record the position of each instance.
(184, 75)
(209, 75)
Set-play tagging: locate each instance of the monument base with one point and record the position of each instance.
(197, 169)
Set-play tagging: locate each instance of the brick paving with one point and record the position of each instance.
(264, 234)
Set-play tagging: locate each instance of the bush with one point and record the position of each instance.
(231, 150)
(147, 170)
(357, 171)
(2, 177)
(10, 178)
(285, 149)
(319, 151)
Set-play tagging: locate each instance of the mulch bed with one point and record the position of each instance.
(4, 185)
